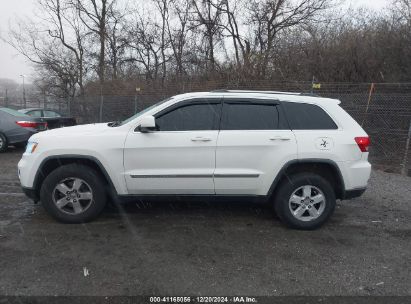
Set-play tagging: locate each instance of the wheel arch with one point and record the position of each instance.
(326, 168)
(53, 162)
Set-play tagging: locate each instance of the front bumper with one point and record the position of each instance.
(27, 168)
(31, 193)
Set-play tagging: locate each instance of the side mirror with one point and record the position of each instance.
(147, 123)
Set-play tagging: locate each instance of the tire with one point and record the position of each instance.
(85, 199)
(304, 201)
(3, 143)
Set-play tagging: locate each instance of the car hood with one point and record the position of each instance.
(80, 130)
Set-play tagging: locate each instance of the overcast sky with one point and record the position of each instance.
(12, 65)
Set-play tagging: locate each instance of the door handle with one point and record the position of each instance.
(201, 139)
(279, 138)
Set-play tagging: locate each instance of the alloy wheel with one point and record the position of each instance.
(72, 195)
(307, 203)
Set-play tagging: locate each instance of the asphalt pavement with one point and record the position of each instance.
(183, 248)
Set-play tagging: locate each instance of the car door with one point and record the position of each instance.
(51, 114)
(179, 157)
(53, 119)
(254, 143)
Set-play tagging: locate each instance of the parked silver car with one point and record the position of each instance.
(16, 128)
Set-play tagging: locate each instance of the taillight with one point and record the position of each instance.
(363, 143)
(32, 124)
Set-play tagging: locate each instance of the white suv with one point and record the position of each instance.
(299, 153)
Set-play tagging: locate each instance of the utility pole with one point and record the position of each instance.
(100, 118)
(24, 92)
(44, 99)
(138, 89)
(312, 85)
(405, 158)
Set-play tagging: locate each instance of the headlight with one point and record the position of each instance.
(31, 147)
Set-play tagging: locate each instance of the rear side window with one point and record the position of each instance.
(13, 112)
(251, 116)
(192, 117)
(304, 116)
(53, 114)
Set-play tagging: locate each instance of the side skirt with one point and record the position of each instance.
(257, 199)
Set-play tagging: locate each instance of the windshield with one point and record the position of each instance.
(13, 112)
(144, 111)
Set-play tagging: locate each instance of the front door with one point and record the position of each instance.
(179, 157)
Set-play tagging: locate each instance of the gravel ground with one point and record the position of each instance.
(179, 248)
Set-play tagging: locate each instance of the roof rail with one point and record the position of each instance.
(262, 92)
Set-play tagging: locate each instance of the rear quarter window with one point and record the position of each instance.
(304, 116)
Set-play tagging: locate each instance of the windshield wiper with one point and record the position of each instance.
(114, 124)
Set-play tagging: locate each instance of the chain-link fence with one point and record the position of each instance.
(384, 110)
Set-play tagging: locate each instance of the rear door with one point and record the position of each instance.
(54, 119)
(254, 143)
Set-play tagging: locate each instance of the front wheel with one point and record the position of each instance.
(304, 201)
(73, 194)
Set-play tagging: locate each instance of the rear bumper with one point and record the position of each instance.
(355, 174)
(31, 193)
(349, 194)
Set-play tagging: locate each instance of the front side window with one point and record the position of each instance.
(251, 116)
(35, 113)
(144, 111)
(190, 117)
(304, 116)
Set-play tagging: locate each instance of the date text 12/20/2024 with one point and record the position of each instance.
(234, 299)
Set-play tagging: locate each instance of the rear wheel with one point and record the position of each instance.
(73, 194)
(3, 142)
(304, 201)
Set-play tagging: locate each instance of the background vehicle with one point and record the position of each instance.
(16, 128)
(53, 118)
(299, 153)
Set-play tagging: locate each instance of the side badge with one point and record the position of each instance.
(324, 143)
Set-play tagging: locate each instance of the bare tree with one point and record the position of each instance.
(402, 10)
(48, 54)
(178, 33)
(64, 25)
(117, 41)
(270, 17)
(207, 14)
(76, 42)
(95, 15)
(145, 49)
(242, 45)
(163, 8)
